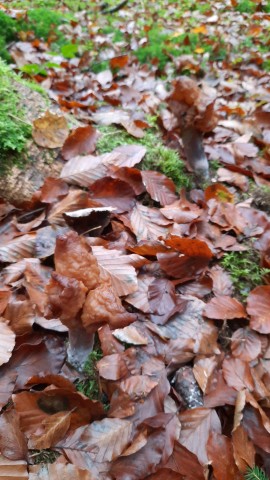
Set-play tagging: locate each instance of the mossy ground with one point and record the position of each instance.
(14, 129)
(43, 456)
(245, 271)
(89, 386)
(158, 157)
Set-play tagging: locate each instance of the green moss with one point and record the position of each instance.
(7, 34)
(43, 22)
(158, 157)
(244, 269)
(14, 130)
(89, 386)
(246, 6)
(43, 456)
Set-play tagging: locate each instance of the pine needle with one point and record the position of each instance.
(255, 473)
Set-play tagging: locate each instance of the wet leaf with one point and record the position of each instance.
(258, 304)
(224, 308)
(80, 141)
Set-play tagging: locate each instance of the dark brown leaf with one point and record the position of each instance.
(80, 142)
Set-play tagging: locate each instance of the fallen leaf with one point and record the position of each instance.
(224, 308)
(80, 141)
(50, 130)
(258, 305)
(13, 443)
(7, 341)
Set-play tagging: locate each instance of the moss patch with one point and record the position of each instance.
(90, 385)
(245, 271)
(14, 129)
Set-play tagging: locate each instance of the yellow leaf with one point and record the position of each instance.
(199, 50)
(201, 29)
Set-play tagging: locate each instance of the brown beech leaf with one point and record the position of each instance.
(189, 326)
(54, 428)
(163, 301)
(21, 315)
(189, 246)
(74, 258)
(5, 294)
(220, 454)
(66, 297)
(112, 192)
(119, 62)
(52, 190)
(224, 308)
(184, 462)
(160, 188)
(109, 345)
(164, 431)
(120, 268)
(139, 298)
(102, 305)
(7, 341)
(112, 367)
(35, 407)
(13, 443)
(148, 223)
(83, 170)
(182, 211)
(105, 439)
(253, 425)
(243, 449)
(138, 386)
(76, 199)
(246, 344)
(197, 424)
(18, 248)
(222, 284)
(80, 141)
(219, 192)
(13, 469)
(237, 374)
(56, 471)
(50, 130)
(124, 156)
(218, 392)
(45, 355)
(182, 267)
(203, 369)
(258, 307)
(130, 335)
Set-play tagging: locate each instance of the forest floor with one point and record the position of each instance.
(135, 287)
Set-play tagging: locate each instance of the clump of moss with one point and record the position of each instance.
(7, 34)
(43, 22)
(158, 157)
(89, 386)
(245, 271)
(14, 130)
(43, 456)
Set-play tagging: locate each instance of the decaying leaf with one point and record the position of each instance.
(50, 130)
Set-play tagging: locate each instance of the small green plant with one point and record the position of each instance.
(158, 157)
(246, 6)
(255, 473)
(90, 385)
(244, 270)
(14, 130)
